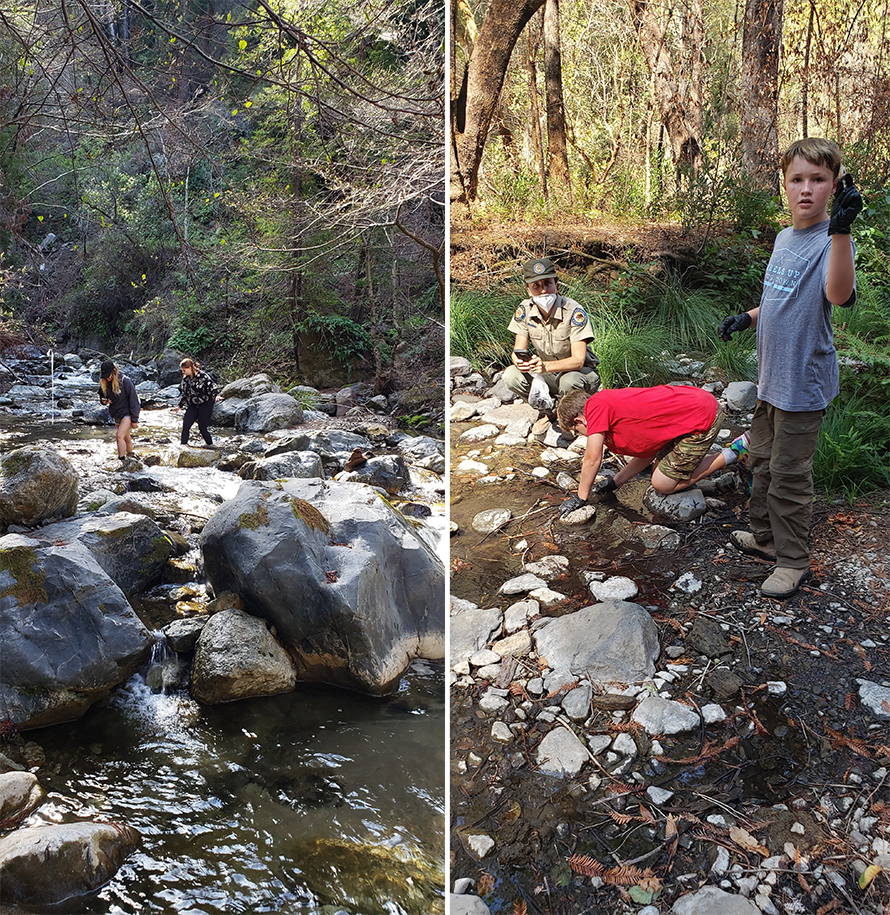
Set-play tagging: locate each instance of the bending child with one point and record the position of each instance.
(672, 425)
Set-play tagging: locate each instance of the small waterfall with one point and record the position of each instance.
(52, 384)
(165, 668)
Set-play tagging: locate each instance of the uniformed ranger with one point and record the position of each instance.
(558, 330)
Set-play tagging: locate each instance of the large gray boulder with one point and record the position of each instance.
(245, 388)
(388, 473)
(129, 547)
(36, 483)
(49, 865)
(301, 464)
(610, 641)
(329, 444)
(350, 587)
(69, 635)
(268, 412)
(236, 657)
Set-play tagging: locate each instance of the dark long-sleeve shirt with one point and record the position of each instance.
(124, 404)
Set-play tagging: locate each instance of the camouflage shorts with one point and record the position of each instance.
(684, 454)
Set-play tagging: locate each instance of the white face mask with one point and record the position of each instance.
(545, 302)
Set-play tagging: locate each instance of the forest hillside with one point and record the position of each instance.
(260, 186)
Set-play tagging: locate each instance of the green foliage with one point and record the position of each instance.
(478, 326)
(853, 453)
(344, 339)
(195, 328)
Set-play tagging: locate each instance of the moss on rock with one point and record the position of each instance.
(28, 587)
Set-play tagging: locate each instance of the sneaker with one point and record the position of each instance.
(542, 426)
(745, 543)
(784, 582)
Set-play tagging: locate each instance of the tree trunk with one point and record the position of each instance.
(673, 107)
(534, 37)
(557, 153)
(805, 76)
(759, 98)
(478, 97)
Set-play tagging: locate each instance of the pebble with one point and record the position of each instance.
(480, 845)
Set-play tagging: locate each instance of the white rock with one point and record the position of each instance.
(480, 845)
(616, 588)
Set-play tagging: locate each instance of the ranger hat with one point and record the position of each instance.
(539, 269)
(106, 370)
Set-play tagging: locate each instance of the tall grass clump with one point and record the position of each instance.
(478, 326)
(853, 453)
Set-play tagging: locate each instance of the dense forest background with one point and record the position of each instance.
(257, 184)
(636, 142)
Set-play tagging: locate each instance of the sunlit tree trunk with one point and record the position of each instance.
(557, 154)
(759, 96)
(478, 97)
(534, 39)
(673, 105)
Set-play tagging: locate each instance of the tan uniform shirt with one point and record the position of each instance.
(553, 337)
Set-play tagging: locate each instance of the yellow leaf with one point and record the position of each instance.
(242, 44)
(40, 219)
(248, 104)
(868, 875)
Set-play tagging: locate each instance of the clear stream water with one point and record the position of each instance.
(316, 801)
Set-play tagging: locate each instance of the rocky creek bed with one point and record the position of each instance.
(130, 778)
(633, 727)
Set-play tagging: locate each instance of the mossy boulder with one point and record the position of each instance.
(36, 483)
(351, 588)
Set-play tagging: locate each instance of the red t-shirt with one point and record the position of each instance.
(640, 421)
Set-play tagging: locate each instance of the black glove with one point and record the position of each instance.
(601, 487)
(573, 503)
(845, 208)
(728, 326)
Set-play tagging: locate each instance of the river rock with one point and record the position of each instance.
(423, 452)
(561, 754)
(48, 865)
(245, 388)
(130, 548)
(710, 900)
(333, 444)
(466, 904)
(351, 589)
(20, 793)
(69, 635)
(197, 457)
(485, 522)
(657, 715)
(875, 698)
(741, 395)
(36, 483)
(302, 464)
(471, 629)
(268, 412)
(610, 641)
(686, 505)
(236, 657)
(388, 473)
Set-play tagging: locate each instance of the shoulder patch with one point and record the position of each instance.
(579, 317)
(520, 313)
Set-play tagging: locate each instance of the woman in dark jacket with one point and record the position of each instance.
(198, 393)
(118, 393)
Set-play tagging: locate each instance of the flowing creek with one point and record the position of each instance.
(316, 801)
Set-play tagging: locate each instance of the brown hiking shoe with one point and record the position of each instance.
(784, 582)
(745, 543)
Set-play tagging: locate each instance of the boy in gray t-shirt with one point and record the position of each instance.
(810, 270)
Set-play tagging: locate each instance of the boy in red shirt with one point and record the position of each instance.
(672, 425)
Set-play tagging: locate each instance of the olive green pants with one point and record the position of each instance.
(781, 459)
(559, 383)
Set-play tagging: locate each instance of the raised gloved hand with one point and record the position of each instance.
(845, 208)
(601, 487)
(728, 326)
(573, 503)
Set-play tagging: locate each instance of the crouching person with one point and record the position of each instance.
(672, 426)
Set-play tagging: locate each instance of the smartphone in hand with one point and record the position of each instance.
(523, 355)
